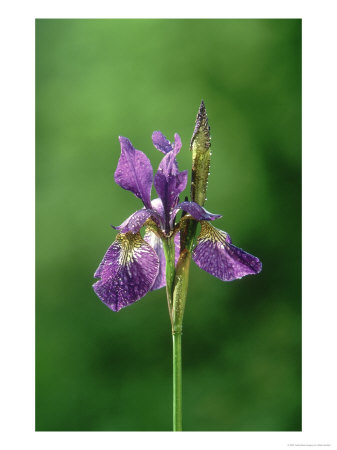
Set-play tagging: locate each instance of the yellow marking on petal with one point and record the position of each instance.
(210, 233)
(130, 243)
(152, 226)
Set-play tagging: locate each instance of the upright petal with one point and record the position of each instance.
(197, 211)
(157, 245)
(134, 172)
(163, 144)
(169, 182)
(127, 271)
(216, 254)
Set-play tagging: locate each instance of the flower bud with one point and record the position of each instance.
(201, 156)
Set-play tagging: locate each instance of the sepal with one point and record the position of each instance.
(215, 253)
(127, 272)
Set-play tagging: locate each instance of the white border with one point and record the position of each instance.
(319, 219)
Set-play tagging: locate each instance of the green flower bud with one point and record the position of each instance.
(201, 156)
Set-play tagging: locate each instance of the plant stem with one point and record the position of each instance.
(169, 251)
(179, 301)
(177, 382)
(176, 289)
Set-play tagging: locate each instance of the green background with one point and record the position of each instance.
(97, 79)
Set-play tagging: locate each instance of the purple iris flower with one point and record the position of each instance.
(133, 265)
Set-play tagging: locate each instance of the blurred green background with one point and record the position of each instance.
(97, 79)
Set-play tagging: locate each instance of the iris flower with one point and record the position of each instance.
(134, 265)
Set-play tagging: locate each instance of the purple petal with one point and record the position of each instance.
(157, 245)
(157, 205)
(169, 182)
(177, 247)
(197, 211)
(135, 222)
(134, 172)
(216, 255)
(163, 144)
(127, 271)
(159, 217)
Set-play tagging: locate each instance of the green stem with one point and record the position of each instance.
(169, 251)
(179, 301)
(176, 288)
(177, 383)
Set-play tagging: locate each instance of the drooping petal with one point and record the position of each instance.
(135, 222)
(134, 172)
(197, 211)
(163, 144)
(127, 271)
(170, 182)
(216, 254)
(157, 245)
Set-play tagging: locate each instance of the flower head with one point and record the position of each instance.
(133, 265)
